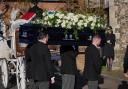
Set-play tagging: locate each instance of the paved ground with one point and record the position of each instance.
(109, 83)
(112, 83)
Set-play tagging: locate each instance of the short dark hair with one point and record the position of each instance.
(109, 27)
(97, 36)
(42, 33)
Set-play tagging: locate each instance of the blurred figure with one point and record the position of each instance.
(68, 58)
(41, 64)
(34, 8)
(3, 8)
(123, 85)
(125, 65)
(108, 50)
(28, 62)
(92, 67)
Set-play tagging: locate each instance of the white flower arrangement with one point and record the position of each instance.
(70, 20)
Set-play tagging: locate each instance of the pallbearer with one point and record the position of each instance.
(41, 67)
(92, 68)
(68, 68)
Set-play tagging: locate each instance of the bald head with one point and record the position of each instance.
(96, 40)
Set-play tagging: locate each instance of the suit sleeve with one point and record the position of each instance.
(97, 62)
(27, 55)
(48, 63)
(113, 40)
(126, 57)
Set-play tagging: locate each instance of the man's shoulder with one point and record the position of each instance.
(91, 46)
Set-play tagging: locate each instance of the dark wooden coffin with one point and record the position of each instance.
(57, 36)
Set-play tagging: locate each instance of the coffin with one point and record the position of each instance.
(57, 36)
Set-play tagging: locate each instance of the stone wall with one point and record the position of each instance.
(118, 13)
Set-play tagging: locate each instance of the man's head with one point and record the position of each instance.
(43, 36)
(96, 40)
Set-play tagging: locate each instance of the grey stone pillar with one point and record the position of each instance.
(118, 12)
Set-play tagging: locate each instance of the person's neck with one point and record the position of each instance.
(94, 44)
(42, 41)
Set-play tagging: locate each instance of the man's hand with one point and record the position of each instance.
(52, 80)
(108, 41)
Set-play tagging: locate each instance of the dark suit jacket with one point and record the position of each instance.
(68, 59)
(108, 49)
(126, 60)
(40, 62)
(112, 39)
(92, 63)
(28, 62)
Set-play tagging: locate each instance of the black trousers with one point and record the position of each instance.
(125, 65)
(125, 69)
(68, 81)
(38, 85)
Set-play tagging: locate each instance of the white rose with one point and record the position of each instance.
(61, 16)
(75, 19)
(85, 24)
(90, 18)
(51, 16)
(45, 23)
(56, 25)
(68, 18)
(69, 26)
(49, 23)
(44, 14)
(63, 24)
(57, 14)
(58, 21)
(73, 23)
(93, 24)
(46, 18)
(79, 23)
(70, 14)
(98, 25)
(92, 27)
(66, 21)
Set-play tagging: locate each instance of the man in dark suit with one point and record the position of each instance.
(41, 67)
(92, 68)
(68, 68)
(125, 65)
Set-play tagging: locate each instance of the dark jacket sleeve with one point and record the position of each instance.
(48, 63)
(27, 55)
(113, 40)
(126, 56)
(97, 62)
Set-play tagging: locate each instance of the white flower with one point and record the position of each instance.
(69, 25)
(75, 19)
(63, 24)
(46, 18)
(85, 24)
(98, 25)
(69, 20)
(56, 25)
(57, 14)
(51, 16)
(80, 23)
(93, 24)
(59, 21)
(45, 23)
(49, 23)
(61, 16)
(73, 23)
(70, 14)
(90, 18)
(92, 27)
